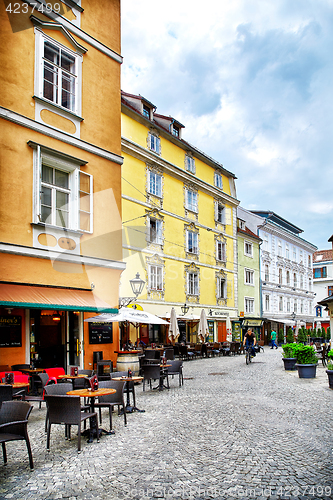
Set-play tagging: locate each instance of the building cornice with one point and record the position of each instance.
(14, 117)
(146, 156)
(274, 229)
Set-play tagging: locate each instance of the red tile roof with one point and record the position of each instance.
(324, 254)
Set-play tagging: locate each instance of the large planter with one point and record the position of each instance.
(330, 378)
(306, 371)
(289, 363)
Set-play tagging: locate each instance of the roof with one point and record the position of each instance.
(158, 125)
(269, 215)
(322, 256)
(248, 232)
(326, 302)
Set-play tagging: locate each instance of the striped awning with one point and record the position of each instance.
(59, 299)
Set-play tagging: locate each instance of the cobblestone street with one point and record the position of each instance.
(231, 432)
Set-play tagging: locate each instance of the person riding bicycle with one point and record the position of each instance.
(250, 341)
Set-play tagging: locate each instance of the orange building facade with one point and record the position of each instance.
(60, 204)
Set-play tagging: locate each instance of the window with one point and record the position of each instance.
(266, 302)
(192, 242)
(295, 280)
(295, 305)
(63, 193)
(280, 248)
(190, 164)
(218, 180)
(266, 272)
(154, 143)
(265, 237)
(287, 251)
(280, 304)
(155, 231)
(301, 257)
(193, 284)
(220, 213)
(155, 277)
(302, 307)
(280, 276)
(248, 248)
(191, 200)
(146, 111)
(221, 288)
(320, 272)
(221, 251)
(309, 260)
(294, 254)
(301, 281)
(155, 184)
(249, 305)
(318, 311)
(175, 130)
(249, 277)
(330, 291)
(288, 305)
(288, 277)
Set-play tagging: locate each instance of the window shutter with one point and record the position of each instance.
(85, 202)
(227, 216)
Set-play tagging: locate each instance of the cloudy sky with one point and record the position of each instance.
(251, 80)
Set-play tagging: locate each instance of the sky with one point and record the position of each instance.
(251, 80)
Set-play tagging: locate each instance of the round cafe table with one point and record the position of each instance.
(86, 393)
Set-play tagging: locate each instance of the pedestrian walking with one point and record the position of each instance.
(273, 336)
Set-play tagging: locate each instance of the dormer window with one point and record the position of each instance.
(146, 111)
(175, 130)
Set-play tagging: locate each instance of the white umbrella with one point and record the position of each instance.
(229, 329)
(131, 315)
(173, 328)
(203, 325)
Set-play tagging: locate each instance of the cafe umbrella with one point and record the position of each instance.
(203, 329)
(130, 315)
(173, 327)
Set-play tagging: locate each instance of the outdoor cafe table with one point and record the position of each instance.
(32, 372)
(71, 377)
(86, 393)
(129, 408)
(18, 385)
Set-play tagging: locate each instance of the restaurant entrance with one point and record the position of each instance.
(47, 335)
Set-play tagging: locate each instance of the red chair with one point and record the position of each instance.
(55, 372)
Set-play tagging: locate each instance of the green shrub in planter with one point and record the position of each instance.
(289, 350)
(289, 336)
(328, 333)
(305, 354)
(280, 336)
(330, 360)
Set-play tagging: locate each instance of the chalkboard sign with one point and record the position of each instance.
(100, 333)
(10, 331)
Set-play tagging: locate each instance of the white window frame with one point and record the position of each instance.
(288, 305)
(221, 288)
(288, 277)
(249, 277)
(154, 143)
(155, 235)
(248, 248)
(287, 251)
(155, 184)
(295, 280)
(191, 200)
(192, 245)
(221, 251)
(190, 164)
(41, 38)
(80, 202)
(280, 276)
(220, 213)
(218, 181)
(279, 248)
(280, 303)
(193, 283)
(267, 303)
(249, 305)
(266, 272)
(155, 277)
(294, 254)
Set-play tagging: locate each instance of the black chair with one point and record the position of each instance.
(176, 368)
(154, 372)
(111, 400)
(169, 353)
(6, 393)
(152, 355)
(57, 390)
(104, 369)
(18, 368)
(129, 386)
(82, 383)
(42, 380)
(97, 356)
(13, 425)
(66, 410)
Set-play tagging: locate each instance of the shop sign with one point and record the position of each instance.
(216, 313)
(10, 331)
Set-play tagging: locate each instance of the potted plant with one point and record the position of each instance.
(290, 336)
(301, 338)
(329, 369)
(306, 361)
(289, 358)
(280, 337)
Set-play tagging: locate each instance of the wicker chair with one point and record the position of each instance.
(176, 368)
(111, 400)
(42, 380)
(57, 390)
(129, 385)
(7, 393)
(13, 425)
(66, 410)
(154, 372)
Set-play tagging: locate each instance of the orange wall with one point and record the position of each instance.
(14, 355)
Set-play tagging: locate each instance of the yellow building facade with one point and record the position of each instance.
(179, 225)
(60, 205)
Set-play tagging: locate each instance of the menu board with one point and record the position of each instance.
(100, 333)
(10, 331)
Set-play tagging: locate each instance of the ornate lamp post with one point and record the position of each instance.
(184, 309)
(137, 285)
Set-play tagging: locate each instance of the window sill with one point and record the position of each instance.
(50, 227)
(57, 108)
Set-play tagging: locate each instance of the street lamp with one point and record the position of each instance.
(293, 316)
(184, 309)
(137, 285)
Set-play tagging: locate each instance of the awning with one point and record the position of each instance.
(59, 299)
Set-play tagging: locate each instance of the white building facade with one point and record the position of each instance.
(322, 284)
(286, 270)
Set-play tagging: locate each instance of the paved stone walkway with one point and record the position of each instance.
(231, 432)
